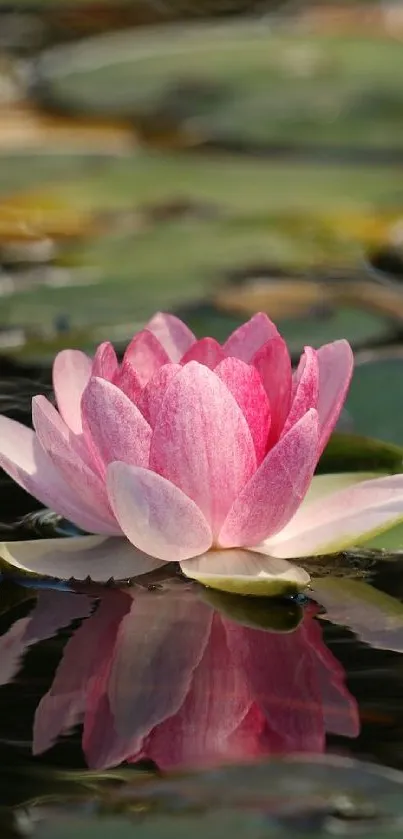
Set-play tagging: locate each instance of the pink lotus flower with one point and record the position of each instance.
(166, 677)
(193, 451)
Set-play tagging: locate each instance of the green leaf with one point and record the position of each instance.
(375, 399)
(354, 453)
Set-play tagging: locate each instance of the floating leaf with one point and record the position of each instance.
(375, 399)
(351, 452)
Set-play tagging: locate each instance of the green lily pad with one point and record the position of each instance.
(256, 612)
(375, 399)
(353, 453)
(240, 82)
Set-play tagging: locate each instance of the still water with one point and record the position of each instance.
(164, 700)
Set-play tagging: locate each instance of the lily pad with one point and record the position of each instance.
(375, 399)
(353, 453)
(236, 82)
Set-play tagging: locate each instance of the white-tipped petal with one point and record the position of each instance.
(340, 520)
(245, 572)
(99, 558)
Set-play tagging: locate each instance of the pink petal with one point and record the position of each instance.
(174, 336)
(155, 515)
(276, 490)
(60, 446)
(341, 520)
(273, 364)
(150, 399)
(305, 388)
(105, 363)
(202, 443)
(128, 380)
(246, 387)
(206, 351)
(113, 425)
(24, 459)
(336, 362)
(146, 355)
(250, 337)
(71, 371)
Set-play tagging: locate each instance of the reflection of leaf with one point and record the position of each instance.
(351, 453)
(376, 617)
(256, 612)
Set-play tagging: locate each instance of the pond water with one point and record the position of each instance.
(155, 708)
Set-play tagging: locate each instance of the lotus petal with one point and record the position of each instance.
(79, 557)
(115, 428)
(174, 336)
(71, 372)
(245, 572)
(276, 490)
(347, 518)
(207, 351)
(245, 341)
(24, 459)
(105, 363)
(202, 443)
(244, 382)
(336, 362)
(155, 515)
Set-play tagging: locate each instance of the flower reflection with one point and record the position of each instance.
(164, 676)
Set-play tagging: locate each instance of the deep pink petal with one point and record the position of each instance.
(60, 446)
(336, 362)
(250, 337)
(105, 363)
(71, 371)
(305, 388)
(150, 399)
(273, 364)
(155, 515)
(113, 425)
(172, 334)
(276, 490)
(24, 459)
(245, 384)
(202, 443)
(207, 351)
(146, 355)
(128, 380)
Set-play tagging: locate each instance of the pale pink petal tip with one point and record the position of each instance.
(71, 372)
(155, 515)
